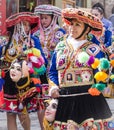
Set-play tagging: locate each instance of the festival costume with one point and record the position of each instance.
(50, 36)
(73, 72)
(19, 95)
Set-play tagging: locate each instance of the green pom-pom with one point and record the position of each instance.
(104, 64)
(83, 57)
(100, 86)
(40, 70)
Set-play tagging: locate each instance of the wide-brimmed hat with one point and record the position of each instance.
(86, 17)
(47, 9)
(22, 16)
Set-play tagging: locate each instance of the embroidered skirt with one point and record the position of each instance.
(82, 111)
(11, 101)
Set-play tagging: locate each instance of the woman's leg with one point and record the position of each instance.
(25, 121)
(40, 114)
(11, 121)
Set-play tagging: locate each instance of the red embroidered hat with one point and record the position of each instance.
(22, 16)
(86, 17)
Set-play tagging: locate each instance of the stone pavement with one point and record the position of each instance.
(34, 119)
(34, 122)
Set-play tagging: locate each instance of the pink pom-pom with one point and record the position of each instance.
(31, 70)
(37, 65)
(41, 59)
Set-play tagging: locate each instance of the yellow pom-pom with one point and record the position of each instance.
(36, 52)
(101, 76)
(27, 51)
(95, 64)
(112, 63)
(112, 76)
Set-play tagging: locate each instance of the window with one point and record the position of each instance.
(11, 7)
(27, 5)
(81, 3)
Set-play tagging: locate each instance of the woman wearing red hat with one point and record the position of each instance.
(81, 104)
(19, 98)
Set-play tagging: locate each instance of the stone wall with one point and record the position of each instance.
(108, 5)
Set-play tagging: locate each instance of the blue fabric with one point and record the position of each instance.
(108, 33)
(94, 40)
(107, 38)
(53, 74)
(107, 24)
(0, 51)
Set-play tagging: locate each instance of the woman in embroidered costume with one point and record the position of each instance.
(19, 97)
(106, 38)
(81, 104)
(49, 34)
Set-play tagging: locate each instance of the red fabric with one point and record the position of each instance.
(1, 98)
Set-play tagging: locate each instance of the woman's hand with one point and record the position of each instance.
(55, 93)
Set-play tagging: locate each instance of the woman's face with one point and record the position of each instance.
(96, 13)
(76, 29)
(45, 20)
(26, 25)
(15, 72)
(51, 110)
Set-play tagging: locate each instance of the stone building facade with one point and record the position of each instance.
(108, 5)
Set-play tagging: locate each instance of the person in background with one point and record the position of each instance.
(111, 18)
(81, 104)
(106, 38)
(20, 43)
(49, 33)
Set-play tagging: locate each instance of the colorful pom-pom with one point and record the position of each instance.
(31, 70)
(100, 86)
(112, 63)
(101, 76)
(112, 76)
(104, 64)
(36, 80)
(94, 91)
(95, 64)
(83, 57)
(40, 70)
(36, 52)
(27, 51)
(91, 60)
